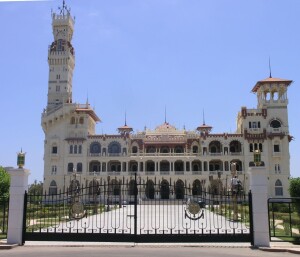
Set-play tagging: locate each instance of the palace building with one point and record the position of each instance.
(175, 157)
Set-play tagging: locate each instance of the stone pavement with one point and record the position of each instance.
(275, 246)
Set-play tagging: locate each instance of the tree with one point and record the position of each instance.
(36, 188)
(4, 182)
(35, 192)
(294, 189)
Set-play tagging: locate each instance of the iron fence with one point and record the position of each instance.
(4, 203)
(284, 219)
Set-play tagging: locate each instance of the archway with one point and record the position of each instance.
(164, 189)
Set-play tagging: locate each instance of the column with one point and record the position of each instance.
(259, 188)
(18, 185)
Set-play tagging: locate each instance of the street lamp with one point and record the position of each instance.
(108, 179)
(234, 190)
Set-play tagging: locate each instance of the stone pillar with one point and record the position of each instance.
(259, 188)
(18, 185)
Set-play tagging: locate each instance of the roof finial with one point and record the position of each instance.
(125, 119)
(165, 114)
(270, 67)
(203, 117)
(64, 8)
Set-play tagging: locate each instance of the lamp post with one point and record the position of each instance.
(108, 179)
(234, 190)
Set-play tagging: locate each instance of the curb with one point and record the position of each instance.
(7, 247)
(287, 250)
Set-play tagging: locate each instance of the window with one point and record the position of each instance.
(53, 188)
(278, 188)
(81, 120)
(53, 170)
(275, 124)
(79, 149)
(57, 88)
(54, 149)
(95, 148)
(70, 167)
(277, 168)
(75, 149)
(72, 120)
(134, 149)
(254, 124)
(79, 167)
(195, 149)
(114, 148)
(276, 148)
(71, 149)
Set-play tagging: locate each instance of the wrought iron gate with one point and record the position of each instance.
(4, 202)
(137, 210)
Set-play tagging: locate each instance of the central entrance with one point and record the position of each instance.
(134, 210)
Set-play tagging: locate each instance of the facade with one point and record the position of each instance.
(198, 158)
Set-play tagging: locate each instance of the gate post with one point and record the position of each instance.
(259, 188)
(18, 185)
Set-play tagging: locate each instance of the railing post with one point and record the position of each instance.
(18, 186)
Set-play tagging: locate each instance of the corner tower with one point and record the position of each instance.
(61, 59)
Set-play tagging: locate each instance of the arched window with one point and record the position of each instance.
(53, 188)
(134, 149)
(164, 189)
(81, 120)
(278, 188)
(195, 149)
(79, 167)
(178, 149)
(72, 120)
(114, 148)
(70, 167)
(179, 189)
(95, 148)
(197, 188)
(93, 187)
(275, 124)
(215, 147)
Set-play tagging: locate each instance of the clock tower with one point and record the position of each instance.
(61, 59)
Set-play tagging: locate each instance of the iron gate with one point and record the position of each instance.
(284, 219)
(137, 210)
(4, 202)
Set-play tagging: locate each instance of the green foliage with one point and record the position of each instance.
(4, 182)
(295, 192)
(36, 188)
(294, 187)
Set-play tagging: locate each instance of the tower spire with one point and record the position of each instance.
(125, 119)
(270, 67)
(203, 117)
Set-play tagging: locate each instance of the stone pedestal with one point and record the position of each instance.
(259, 188)
(18, 185)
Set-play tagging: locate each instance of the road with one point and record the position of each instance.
(130, 251)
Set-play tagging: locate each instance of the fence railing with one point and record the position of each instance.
(284, 219)
(4, 202)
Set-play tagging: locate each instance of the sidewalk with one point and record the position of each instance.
(274, 247)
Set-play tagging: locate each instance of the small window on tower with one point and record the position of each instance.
(54, 149)
(57, 88)
(276, 148)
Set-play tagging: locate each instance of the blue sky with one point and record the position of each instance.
(142, 56)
